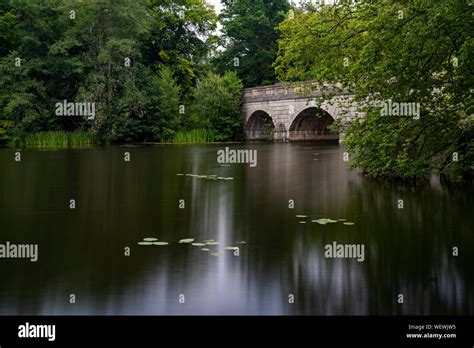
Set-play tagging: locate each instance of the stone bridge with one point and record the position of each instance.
(289, 113)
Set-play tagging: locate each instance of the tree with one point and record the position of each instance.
(164, 101)
(180, 37)
(249, 30)
(412, 51)
(216, 106)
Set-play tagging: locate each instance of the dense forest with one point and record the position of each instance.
(148, 67)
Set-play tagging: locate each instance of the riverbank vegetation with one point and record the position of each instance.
(144, 66)
(417, 52)
(59, 139)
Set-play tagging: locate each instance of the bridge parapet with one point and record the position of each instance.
(286, 91)
(292, 112)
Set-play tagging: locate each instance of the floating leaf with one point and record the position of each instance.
(331, 221)
(301, 216)
(150, 239)
(204, 249)
(179, 174)
(208, 240)
(231, 248)
(160, 243)
(186, 240)
(321, 221)
(212, 243)
(145, 243)
(348, 223)
(198, 244)
(302, 222)
(215, 254)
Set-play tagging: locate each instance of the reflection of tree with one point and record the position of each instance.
(407, 251)
(410, 248)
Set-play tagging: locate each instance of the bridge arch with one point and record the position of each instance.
(312, 124)
(260, 126)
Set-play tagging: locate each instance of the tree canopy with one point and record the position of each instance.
(414, 51)
(138, 61)
(249, 39)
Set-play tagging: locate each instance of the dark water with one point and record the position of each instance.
(407, 251)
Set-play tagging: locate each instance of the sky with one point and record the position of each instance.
(217, 4)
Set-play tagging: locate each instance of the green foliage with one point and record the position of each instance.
(163, 105)
(412, 51)
(133, 59)
(250, 35)
(180, 37)
(216, 106)
(59, 139)
(194, 136)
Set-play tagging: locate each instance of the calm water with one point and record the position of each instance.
(81, 251)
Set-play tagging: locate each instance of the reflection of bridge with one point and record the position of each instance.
(285, 114)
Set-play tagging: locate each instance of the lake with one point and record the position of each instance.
(279, 262)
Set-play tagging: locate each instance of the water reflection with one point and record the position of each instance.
(408, 251)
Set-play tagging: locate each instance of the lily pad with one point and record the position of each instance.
(179, 174)
(230, 248)
(302, 222)
(212, 243)
(301, 216)
(145, 243)
(331, 221)
(348, 223)
(205, 249)
(215, 254)
(160, 243)
(321, 221)
(150, 239)
(198, 244)
(208, 240)
(186, 240)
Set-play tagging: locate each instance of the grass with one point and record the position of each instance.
(194, 136)
(60, 139)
